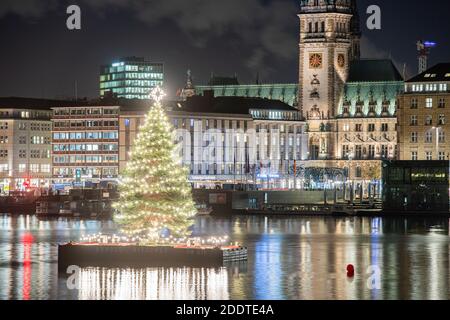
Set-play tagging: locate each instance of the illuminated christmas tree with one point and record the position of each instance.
(155, 193)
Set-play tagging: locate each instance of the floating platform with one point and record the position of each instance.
(134, 255)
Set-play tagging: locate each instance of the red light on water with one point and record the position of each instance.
(27, 238)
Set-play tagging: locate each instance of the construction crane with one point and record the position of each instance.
(423, 49)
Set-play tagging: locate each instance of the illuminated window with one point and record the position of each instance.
(429, 137)
(414, 155)
(414, 137)
(429, 102)
(429, 155)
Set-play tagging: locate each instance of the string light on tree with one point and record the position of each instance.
(155, 193)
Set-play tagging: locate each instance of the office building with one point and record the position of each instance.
(423, 116)
(130, 78)
(25, 144)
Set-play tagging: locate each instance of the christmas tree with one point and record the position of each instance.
(155, 193)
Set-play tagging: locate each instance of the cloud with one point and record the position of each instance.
(269, 26)
(26, 8)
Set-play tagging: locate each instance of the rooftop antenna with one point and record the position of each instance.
(423, 49)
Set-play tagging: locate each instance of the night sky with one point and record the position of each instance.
(41, 58)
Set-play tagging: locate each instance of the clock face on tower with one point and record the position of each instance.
(315, 60)
(341, 60)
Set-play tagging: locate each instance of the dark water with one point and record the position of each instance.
(289, 258)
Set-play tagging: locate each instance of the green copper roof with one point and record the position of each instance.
(286, 93)
(373, 71)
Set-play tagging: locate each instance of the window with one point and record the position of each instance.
(414, 155)
(34, 168)
(22, 126)
(429, 120)
(3, 153)
(25, 114)
(441, 136)
(45, 168)
(384, 152)
(414, 137)
(442, 119)
(384, 127)
(358, 127)
(371, 127)
(346, 127)
(22, 154)
(345, 151)
(371, 152)
(441, 155)
(413, 120)
(22, 140)
(35, 154)
(429, 155)
(45, 154)
(358, 152)
(441, 103)
(429, 102)
(4, 139)
(3, 125)
(414, 103)
(429, 137)
(358, 172)
(22, 167)
(4, 167)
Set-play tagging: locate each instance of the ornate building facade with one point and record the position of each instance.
(349, 104)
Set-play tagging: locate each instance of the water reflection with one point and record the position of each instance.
(289, 258)
(153, 284)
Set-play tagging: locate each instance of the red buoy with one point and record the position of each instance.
(350, 271)
(27, 238)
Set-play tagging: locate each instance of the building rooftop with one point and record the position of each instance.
(231, 105)
(34, 103)
(368, 70)
(439, 72)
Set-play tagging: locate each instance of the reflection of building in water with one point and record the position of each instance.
(153, 284)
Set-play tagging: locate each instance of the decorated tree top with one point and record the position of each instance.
(155, 193)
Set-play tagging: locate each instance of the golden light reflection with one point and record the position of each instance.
(153, 284)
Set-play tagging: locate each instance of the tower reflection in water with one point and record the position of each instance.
(153, 284)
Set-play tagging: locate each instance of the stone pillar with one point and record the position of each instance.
(361, 192)
(335, 194)
(352, 192)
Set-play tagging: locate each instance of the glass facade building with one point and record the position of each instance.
(130, 78)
